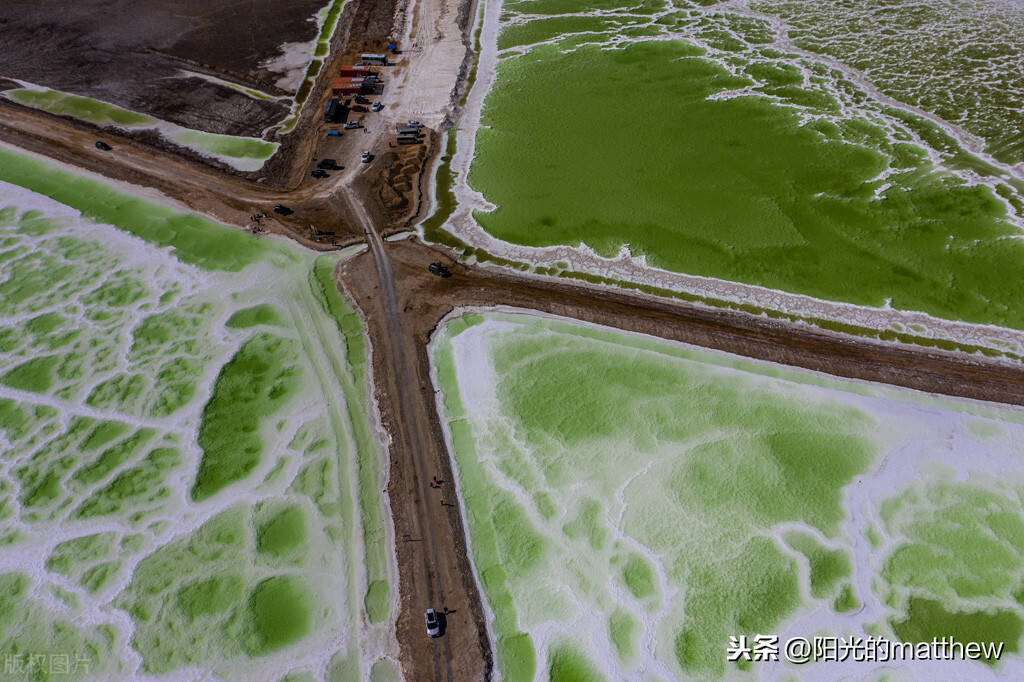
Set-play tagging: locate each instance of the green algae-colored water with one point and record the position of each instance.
(734, 189)
(969, 70)
(94, 111)
(140, 380)
(631, 504)
(712, 150)
(195, 239)
(227, 145)
(258, 381)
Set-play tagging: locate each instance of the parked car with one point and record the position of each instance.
(414, 124)
(327, 164)
(319, 173)
(103, 146)
(439, 270)
(283, 210)
(377, 106)
(433, 623)
(360, 108)
(361, 100)
(352, 125)
(367, 157)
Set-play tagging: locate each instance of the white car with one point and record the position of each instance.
(414, 124)
(433, 623)
(367, 156)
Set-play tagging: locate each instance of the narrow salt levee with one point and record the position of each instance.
(633, 503)
(189, 448)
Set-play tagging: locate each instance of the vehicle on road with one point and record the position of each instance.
(352, 125)
(414, 124)
(433, 623)
(367, 157)
(439, 270)
(103, 146)
(282, 209)
(319, 173)
(377, 106)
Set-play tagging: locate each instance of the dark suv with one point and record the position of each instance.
(439, 270)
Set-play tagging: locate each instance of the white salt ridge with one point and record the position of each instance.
(227, 293)
(244, 89)
(294, 58)
(293, 61)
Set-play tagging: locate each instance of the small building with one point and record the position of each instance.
(346, 87)
(406, 139)
(354, 71)
(410, 130)
(335, 111)
(375, 59)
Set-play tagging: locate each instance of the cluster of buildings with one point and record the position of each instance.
(357, 79)
(354, 80)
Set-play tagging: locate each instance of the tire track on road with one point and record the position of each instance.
(410, 418)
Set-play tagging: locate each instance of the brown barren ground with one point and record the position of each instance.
(148, 55)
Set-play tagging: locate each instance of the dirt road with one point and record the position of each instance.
(433, 569)
(425, 299)
(402, 304)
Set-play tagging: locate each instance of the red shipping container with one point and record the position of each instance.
(354, 70)
(346, 86)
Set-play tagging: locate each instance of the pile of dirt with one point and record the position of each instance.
(398, 180)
